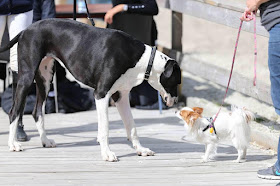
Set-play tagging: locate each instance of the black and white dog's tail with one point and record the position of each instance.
(11, 43)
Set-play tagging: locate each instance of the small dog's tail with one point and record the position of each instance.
(241, 129)
(246, 114)
(11, 43)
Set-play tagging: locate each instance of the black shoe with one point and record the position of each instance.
(270, 173)
(21, 135)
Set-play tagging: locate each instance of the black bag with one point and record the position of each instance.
(71, 98)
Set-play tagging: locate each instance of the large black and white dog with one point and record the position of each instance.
(109, 61)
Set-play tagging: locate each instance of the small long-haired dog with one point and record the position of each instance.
(233, 125)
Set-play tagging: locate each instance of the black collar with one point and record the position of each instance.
(151, 61)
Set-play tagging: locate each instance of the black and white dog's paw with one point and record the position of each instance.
(108, 155)
(48, 143)
(15, 146)
(145, 152)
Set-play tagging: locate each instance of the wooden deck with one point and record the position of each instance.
(76, 160)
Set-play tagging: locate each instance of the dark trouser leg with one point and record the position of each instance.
(21, 135)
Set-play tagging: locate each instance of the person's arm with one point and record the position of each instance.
(147, 7)
(252, 5)
(110, 14)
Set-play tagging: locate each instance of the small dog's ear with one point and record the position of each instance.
(198, 110)
(189, 116)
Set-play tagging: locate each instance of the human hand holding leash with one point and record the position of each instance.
(252, 7)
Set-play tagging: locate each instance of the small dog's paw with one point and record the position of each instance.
(204, 160)
(15, 146)
(108, 155)
(48, 143)
(239, 160)
(145, 152)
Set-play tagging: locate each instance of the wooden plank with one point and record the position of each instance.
(220, 76)
(219, 11)
(76, 159)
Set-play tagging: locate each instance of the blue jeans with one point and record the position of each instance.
(43, 9)
(274, 68)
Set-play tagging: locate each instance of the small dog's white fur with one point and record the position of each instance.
(233, 125)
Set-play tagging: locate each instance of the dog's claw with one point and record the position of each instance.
(204, 160)
(48, 143)
(239, 161)
(145, 152)
(109, 156)
(15, 146)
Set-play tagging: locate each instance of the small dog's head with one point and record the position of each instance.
(190, 115)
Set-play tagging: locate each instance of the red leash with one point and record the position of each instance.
(233, 60)
(255, 39)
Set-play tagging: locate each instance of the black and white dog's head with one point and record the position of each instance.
(170, 79)
(166, 77)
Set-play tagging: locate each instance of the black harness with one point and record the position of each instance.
(211, 125)
(150, 64)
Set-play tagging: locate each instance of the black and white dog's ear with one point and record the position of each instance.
(172, 67)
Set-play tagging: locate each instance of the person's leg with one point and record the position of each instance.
(37, 11)
(48, 9)
(17, 23)
(3, 20)
(274, 68)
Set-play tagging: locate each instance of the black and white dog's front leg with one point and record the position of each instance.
(13, 143)
(126, 115)
(103, 129)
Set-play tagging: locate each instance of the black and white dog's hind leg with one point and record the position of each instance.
(43, 79)
(25, 81)
(124, 109)
(103, 128)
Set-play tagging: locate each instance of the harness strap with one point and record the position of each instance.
(150, 64)
(211, 125)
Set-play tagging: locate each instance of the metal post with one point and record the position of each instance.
(74, 9)
(177, 31)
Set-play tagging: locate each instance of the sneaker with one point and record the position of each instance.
(270, 173)
(21, 135)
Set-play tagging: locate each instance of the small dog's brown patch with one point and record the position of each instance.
(189, 116)
(198, 110)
